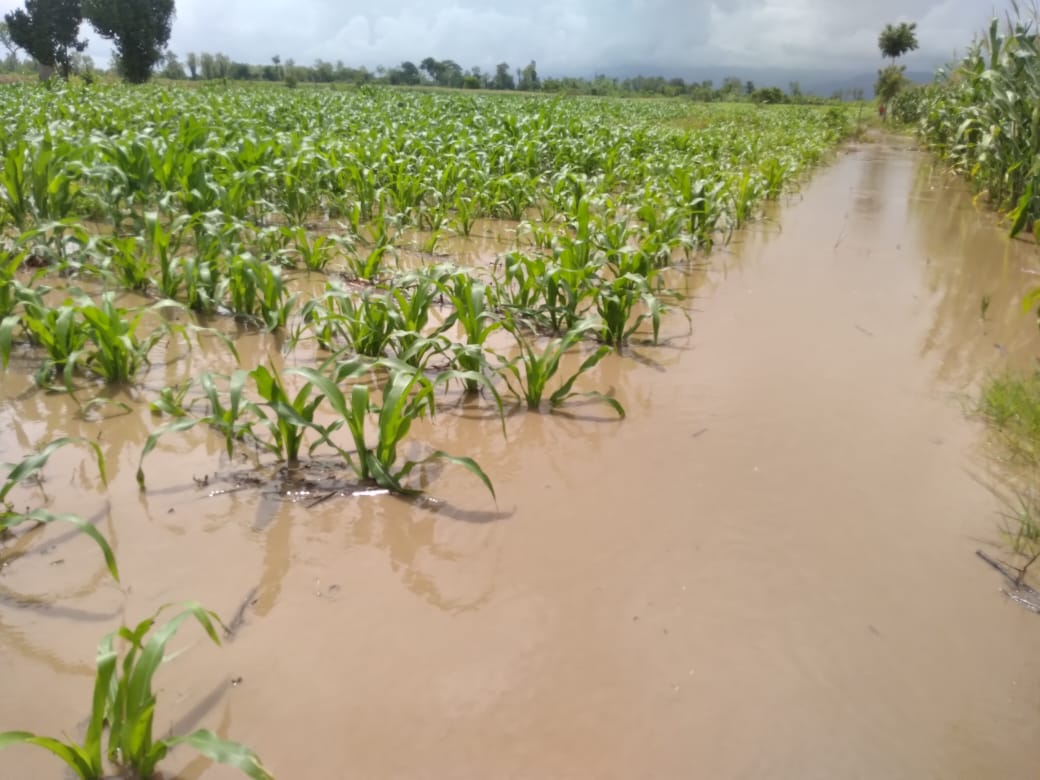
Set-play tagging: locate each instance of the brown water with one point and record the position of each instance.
(766, 571)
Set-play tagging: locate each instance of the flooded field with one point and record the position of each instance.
(766, 570)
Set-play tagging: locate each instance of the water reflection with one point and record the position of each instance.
(977, 275)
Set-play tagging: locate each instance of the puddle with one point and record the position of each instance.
(766, 570)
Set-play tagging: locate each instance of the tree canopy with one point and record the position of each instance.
(48, 31)
(140, 30)
(897, 40)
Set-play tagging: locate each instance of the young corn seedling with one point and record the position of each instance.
(315, 253)
(30, 467)
(123, 258)
(529, 374)
(407, 396)
(118, 351)
(124, 702)
(288, 418)
(257, 291)
(473, 314)
(233, 418)
(60, 332)
(340, 320)
(615, 302)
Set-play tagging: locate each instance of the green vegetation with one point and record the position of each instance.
(982, 117)
(1011, 404)
(48, 30)
(27, 470)
(140, 30)
(123, 704)
(894, 41)
(134, 219)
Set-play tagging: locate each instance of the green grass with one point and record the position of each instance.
(1011, 405)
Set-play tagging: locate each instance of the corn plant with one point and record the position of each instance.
(60, 332)
(118, 351)
(474, 316)
(407, 396)
(315, 253)
(257, 291)
(340, 320)
(233, 419)
(123, 702)
(29, 468)
(124, 259)
(528, 375)
(288, 417)
(616, 301)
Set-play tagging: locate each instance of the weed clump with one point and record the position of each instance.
(1011, 405)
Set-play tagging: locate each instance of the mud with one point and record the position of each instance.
(766, 571)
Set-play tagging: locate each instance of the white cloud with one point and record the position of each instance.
(572, 36)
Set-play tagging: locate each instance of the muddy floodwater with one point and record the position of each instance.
(766, 571)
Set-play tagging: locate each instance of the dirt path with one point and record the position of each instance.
(767, 571)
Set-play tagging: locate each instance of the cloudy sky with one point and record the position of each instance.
(574, 36)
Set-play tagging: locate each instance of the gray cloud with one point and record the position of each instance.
(573, 36)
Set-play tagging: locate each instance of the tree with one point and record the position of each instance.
(895, 41)
(172, 68)
(889, 82)
(407, 74)
(432, 68)
(140, 30)
(772, 95)
(47, 30)
(731, 87)
(192, 61)
(503, 78)
(207, 65)
(529, 78)
(10, 61)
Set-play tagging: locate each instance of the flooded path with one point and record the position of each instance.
(766, 571)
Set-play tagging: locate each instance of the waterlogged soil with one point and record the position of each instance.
(766, 571)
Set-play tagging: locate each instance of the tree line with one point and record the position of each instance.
(431, 72)
(48, 30)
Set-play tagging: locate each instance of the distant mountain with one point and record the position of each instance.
(826, 87)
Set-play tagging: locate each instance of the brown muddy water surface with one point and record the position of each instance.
(766, 571)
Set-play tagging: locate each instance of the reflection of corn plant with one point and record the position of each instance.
(531, 371)
(124, 701)
(407, 396)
